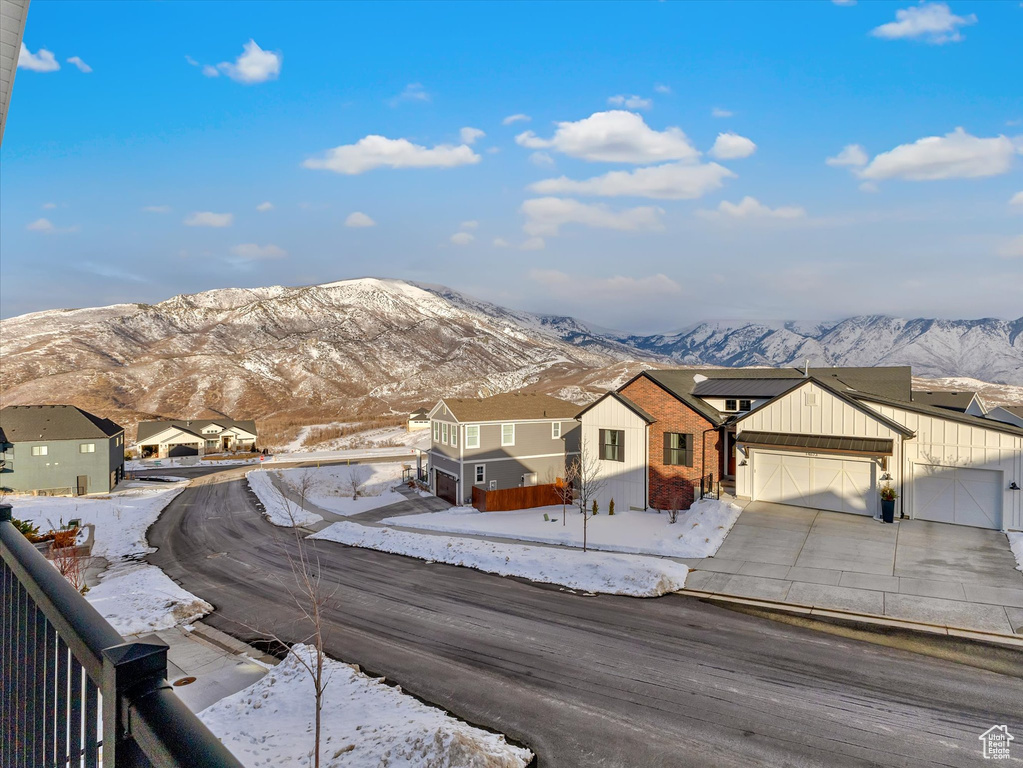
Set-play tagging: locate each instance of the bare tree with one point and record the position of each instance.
(564, 487)
(675, 502)
(358, 476)
(588, 474)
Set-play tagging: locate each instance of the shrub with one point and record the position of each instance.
(611, 507)
(595, 507)
(28, 530)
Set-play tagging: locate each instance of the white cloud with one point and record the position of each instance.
(517, 118)
(254, 65)
(469, 135)
(267, 206)
(956, 155)
(500, 242)
(751, 208)
(380, 152)
(844, 2)
(719, 112)
(462, 238)
(851, 154)
(254, 252)
(1011, 248)
(209, 70)
(412, 92)
(732, 146)
(533, 244)
(618, 288)
(615, 136)
(672, 181)
(473, 224)
(191, 61)
(630, 102)
(541, 159)
(49, 206)
(208, 219)
(41, 61)
(41, 225)
(662, 88)
(359, 219)
(931, 22)
(82, 66)
(546, 215)
(1017, 200)
(157, 209)
(869, 186)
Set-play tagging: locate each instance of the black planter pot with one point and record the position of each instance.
(888, 510)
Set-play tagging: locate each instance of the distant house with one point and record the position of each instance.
(1007, 414)
(499, 442)
(194, 437)
(59, 450)
(964, 402)
(418, 420)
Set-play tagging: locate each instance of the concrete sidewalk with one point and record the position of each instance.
(920, 571)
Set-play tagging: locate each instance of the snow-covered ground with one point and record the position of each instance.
(133, 596)
(365, 723)
(278, 508)
(370, 438)
(1016, 545)
(699, 531)
(330, 487)
(140, 465)
(585, 571)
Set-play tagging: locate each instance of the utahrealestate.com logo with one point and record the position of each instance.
(996, 740)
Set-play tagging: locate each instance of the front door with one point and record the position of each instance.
(83, 485)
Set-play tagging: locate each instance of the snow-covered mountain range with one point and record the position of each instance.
(367, 346)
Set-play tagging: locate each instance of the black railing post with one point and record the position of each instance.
(129, 670)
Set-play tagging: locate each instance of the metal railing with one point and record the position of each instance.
(72, 691)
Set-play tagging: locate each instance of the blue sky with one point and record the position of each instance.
(670, 163)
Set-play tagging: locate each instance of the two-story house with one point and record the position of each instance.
(499, 442)
(59, 450)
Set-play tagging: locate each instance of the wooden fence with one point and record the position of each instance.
(517, 498)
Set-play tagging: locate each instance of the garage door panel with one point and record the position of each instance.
(960, 495)
(818, 482)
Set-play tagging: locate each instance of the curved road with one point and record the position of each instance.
(591, 681)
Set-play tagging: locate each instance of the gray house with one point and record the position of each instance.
(59, 450)
(499, 442)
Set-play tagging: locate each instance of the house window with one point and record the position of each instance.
(612, 444)
(507, 434)
(436, 431)
(745, 405)
(472, 437)
(555, 430)
(731, 405)
(481, 473)
(87, 448)
(454, 435)
(39, 450)
(678, 449)
(444, 433)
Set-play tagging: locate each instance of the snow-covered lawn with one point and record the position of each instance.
(1016, 545)
(278, 509)
(133, 596)
(699, 531)
(331, 487)
(365, 723)
(586, 571)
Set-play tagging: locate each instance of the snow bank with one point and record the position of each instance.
(330, 487)
(585, 571)
(1016, 545)
(142, 598)
(277, 508)
(699, 531)
(365, 723)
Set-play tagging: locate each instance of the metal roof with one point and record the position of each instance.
(741, 387)
(31, 423)
(867, 446)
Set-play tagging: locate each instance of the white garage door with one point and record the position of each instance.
(837, 484)
(958, 495)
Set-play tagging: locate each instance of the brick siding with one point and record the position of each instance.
(675, 416)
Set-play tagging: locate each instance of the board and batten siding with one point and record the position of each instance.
(624, 481)
(792, 413)
(947, 443)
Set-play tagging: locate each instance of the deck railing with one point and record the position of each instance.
(72, 691)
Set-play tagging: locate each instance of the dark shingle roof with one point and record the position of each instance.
(28, 423)
(945, 413)
(510, 407)
(956, 401)
(421, 415)
(873, 446)
(148, 429)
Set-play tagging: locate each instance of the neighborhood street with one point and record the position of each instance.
(589, 680)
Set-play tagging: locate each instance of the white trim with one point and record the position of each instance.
(534, 456)
(476, 442)
(476, 474)
(520, 421)
(505, 444)
(555, 427)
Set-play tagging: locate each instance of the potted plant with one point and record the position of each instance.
(888, 497)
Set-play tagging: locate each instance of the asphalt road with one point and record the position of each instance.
(592, 681)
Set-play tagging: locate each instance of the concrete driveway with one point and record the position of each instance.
(932, 572)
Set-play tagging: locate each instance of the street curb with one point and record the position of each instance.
(230, 644)
(993, 651)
